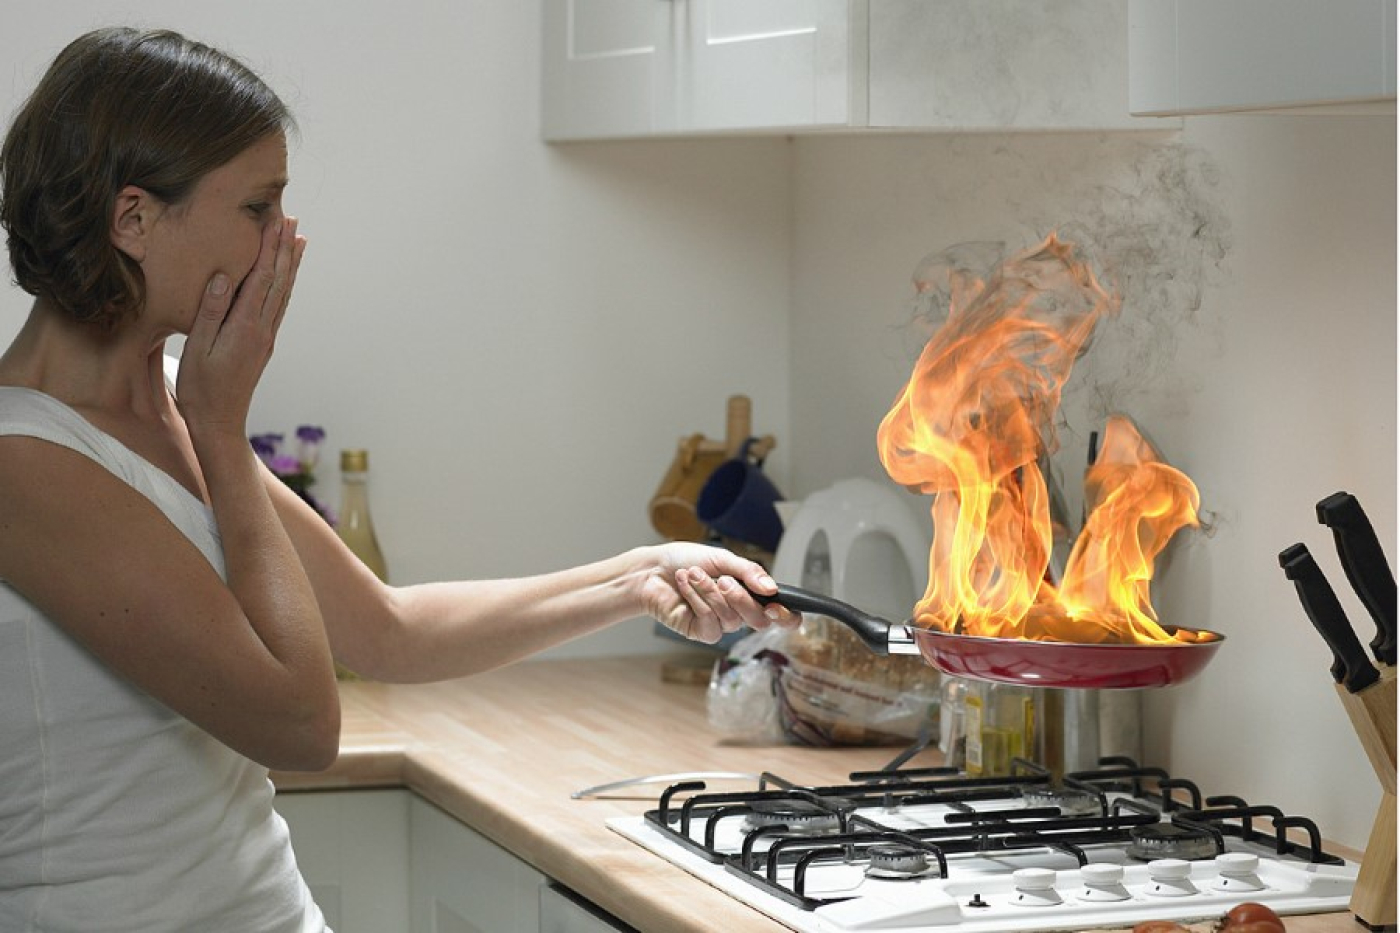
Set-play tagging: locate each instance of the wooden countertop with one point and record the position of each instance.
(503, 752)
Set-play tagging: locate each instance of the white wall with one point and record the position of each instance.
(519, 334)
(1257, 346)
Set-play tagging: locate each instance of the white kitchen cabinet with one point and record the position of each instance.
(386, 860)
(462, 882)
(353, 850)
(618, 68)
(621, 68)
(1203, 56)
(742, 65)
(607, 68)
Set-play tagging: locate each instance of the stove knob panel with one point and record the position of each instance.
(1102, 883)
(1035, 887)
(1238, 872)
(1170, 877)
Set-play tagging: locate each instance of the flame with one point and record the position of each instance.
(971, 427)
(1136, 504)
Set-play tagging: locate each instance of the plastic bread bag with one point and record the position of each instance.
(741, 703)
(819, 685)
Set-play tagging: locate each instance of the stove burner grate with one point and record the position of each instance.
(785, 829)
(1069, 801)
(1169, 840)
(894, 861)
(800, 817)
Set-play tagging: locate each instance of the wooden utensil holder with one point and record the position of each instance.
(1372, 714)
(672, 507)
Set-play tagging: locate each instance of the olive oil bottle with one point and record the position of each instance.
(999, 720)
(356, 528)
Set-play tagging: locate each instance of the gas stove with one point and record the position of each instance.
(936, 849)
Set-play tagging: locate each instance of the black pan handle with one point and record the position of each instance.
(879, 635)
(1366, 567)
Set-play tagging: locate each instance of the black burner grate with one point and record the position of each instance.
(835, 824)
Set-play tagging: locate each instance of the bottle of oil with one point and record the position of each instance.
(356, 528)
(999, 722)
(952, 737)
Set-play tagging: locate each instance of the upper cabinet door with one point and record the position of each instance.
(618, 68)
(775, 64)
(607, 68)
(1203, 56)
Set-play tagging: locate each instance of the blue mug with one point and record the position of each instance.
(737, 502)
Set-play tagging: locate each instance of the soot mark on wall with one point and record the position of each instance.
(1152, 216)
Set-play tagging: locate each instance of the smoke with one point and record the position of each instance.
(1155, 229)
(1150, 219)
(1162, 238)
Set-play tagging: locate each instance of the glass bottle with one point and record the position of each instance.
(952, 737)
(999, 720)
(355, 527)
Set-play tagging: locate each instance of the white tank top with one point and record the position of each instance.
(116, 813)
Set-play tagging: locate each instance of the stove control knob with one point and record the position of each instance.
(1170, 877)
(1102, 883)
(1035, 887)
(1238, 872)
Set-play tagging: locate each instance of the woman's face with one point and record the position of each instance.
(217, 229)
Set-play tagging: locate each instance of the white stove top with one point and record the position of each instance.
(1038, 888)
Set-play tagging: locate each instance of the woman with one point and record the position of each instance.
(171, 611)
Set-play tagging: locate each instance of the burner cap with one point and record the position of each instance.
(1168, 840)
(1070, 801)
(799, 816)
(897, 861)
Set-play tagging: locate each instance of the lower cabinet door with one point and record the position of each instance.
(385, 861)
(352, 848)
(563, 911)
(462, 882)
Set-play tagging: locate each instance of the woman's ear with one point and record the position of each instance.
(133, 216)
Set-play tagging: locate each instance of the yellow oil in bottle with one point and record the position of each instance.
(355, 526)
(999, 721)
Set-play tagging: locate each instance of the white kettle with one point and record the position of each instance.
(859, 541)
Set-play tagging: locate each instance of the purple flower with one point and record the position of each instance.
(285, 466)
(309, 437)
(298, 472)
(266, 446)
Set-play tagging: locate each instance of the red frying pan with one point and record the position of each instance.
(1015, 661)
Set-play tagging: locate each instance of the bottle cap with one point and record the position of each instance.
(354, 461)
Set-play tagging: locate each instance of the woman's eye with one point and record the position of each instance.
(259, 209)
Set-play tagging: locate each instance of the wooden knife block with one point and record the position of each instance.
(1372, 714)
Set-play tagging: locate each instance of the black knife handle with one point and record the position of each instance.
(1366, 567)
(1349, 665)
(1289, 559)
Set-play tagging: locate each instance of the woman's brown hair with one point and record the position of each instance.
(117, 107)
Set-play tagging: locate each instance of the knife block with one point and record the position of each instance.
(1372, 714)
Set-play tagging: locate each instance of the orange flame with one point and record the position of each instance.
(1136, 504)
(970, 428)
